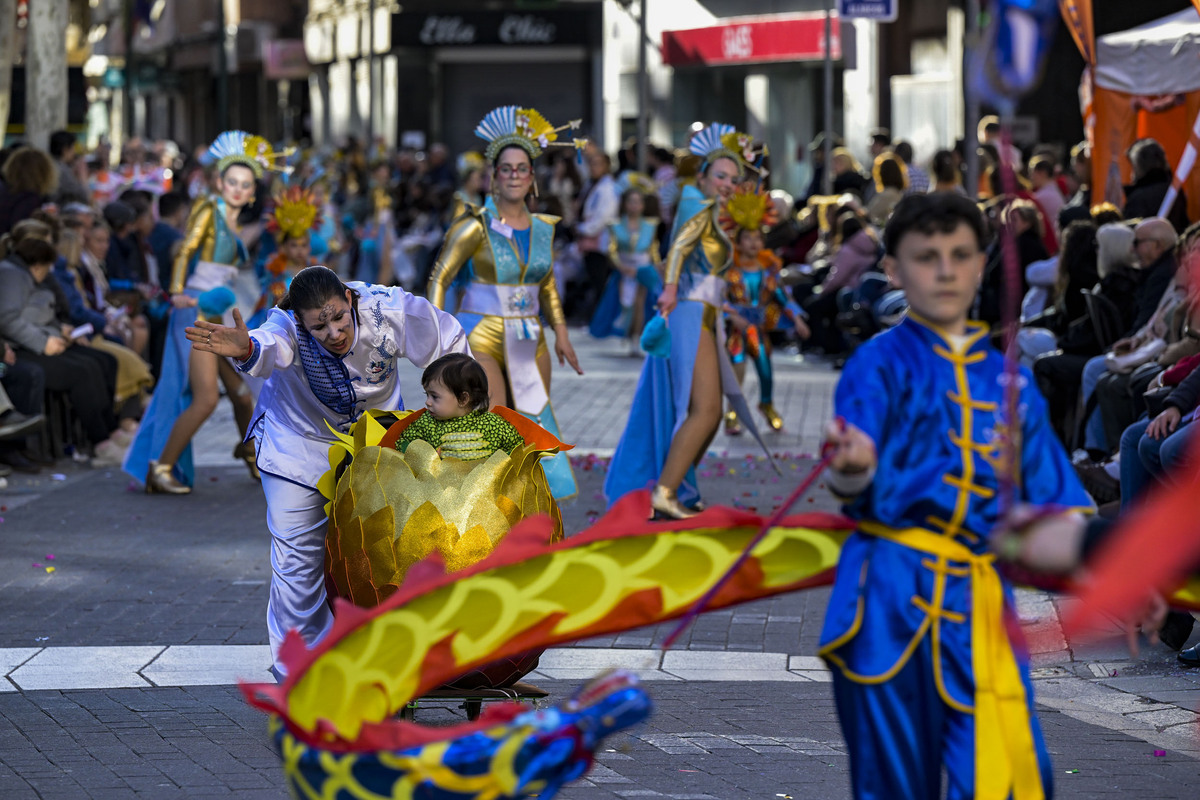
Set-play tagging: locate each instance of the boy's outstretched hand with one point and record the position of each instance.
(853, 450)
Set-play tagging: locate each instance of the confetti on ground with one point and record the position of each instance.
(49, 570)
(37, 564)
(1160, 753)
(42, 639)
(1072, 771)
(49, 556)
(58, 476)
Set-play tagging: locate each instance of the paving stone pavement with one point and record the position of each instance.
(728, 741)
(154, 576)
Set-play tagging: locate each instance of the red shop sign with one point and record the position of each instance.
(753, 39)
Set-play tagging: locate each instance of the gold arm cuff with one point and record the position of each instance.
(551, 301)
(464, 238)
(199, 227)
(685, 242)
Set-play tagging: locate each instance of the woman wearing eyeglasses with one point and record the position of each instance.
(508, 254)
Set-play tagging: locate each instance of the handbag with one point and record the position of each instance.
(1155, 399)
(1126, 362)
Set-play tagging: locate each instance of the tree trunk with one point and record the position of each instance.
(46, 71)
(8, 44)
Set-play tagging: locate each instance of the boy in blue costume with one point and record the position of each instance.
(915, 633)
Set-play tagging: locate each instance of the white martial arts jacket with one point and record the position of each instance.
(307, 386)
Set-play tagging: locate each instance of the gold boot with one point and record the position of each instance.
(773, 418)
(246, 452)
(732, 426)
(160, 480)
(663, 501)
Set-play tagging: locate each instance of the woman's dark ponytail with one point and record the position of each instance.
(312, 288)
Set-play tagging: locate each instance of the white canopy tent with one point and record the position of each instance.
(1146, 82)
(1160, 57)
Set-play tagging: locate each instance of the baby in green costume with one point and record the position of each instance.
(457, 422)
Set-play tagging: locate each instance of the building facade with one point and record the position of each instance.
(178, 86)
(438, 67)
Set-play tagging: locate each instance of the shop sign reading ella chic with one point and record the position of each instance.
(513, 29)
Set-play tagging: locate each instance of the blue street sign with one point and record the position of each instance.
(878, 10)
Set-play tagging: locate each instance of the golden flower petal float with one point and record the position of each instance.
(389, 510)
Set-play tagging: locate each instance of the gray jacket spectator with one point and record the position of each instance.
(27, 314)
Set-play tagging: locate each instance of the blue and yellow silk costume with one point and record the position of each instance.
(699, 255)
(511, 283)
(209, 239)
(915, 632)
(634, 245)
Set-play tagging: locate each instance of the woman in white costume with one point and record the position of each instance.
(328, 353)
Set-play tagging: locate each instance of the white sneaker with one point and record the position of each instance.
(108, 454)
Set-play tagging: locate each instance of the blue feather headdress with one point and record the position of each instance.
(248, 150)
(719, 140)
(524, 127)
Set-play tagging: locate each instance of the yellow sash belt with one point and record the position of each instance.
(1005, 757)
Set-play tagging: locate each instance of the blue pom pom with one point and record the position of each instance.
(318, 245)
(215, 302)
(656, 337)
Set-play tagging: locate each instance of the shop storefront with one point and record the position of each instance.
(762, 74)
(439, 72)
(483, 59)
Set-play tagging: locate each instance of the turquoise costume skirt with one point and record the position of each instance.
(172, 395)
(660, 405)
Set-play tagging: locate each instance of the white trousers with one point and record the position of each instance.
(296, 519)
